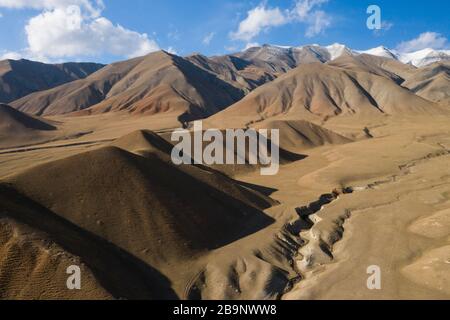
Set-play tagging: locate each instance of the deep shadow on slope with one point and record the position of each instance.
(13, 121)
(146, 206)
(217, 94)
(231, 170)
(144, 142)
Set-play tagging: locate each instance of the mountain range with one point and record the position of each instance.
(418, 58)
(324, 81)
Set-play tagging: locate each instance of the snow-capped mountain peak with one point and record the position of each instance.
(380, 51)
(425, 57)
(326, 53)
(417, 58)
(336, 50)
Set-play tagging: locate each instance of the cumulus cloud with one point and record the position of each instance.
(425, 40)
(259, 19)
(75, 28)
(208, 38)
(63, 33)
(262, 18)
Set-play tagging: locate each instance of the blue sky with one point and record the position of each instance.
(109, 30)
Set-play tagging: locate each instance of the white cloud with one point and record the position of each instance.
(208, 38)
(425, 40)
(303, 8)
(318, 22)
(64, 30)
(259, 19)
(59, 33)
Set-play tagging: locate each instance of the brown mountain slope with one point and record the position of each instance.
(154, 211)
(431, 82)
(282, 60)
(168, 83)
(258, 65)
(47, 244)
(303, 135)
(76, 95)
(145, 142)
(324, 91)
(19, 78)
(14, 122)
(33, 266)
(157, 83)
(18, 128)
(380, 66)
(236, 71)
